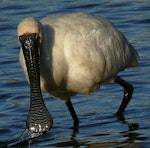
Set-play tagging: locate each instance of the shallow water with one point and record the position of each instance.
(98, 127)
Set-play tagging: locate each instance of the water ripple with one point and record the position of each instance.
(98, 126)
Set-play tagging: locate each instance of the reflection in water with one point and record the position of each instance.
(97, 127)
(25, 140)
(130, 134)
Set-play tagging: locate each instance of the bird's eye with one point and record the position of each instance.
(37, 36)
(20, 39)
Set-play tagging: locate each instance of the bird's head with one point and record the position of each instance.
(29, 33)
(29, 26)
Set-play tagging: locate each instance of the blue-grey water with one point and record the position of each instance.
(98, 125)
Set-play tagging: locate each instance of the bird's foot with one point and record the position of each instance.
(120, 116)
(75, 126)
(131, 126)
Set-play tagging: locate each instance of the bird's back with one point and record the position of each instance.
(82, 52)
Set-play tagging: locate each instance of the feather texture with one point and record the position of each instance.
(78, 53)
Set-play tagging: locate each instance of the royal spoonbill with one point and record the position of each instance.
(71, 54)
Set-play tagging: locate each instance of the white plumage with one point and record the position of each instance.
(78, 52)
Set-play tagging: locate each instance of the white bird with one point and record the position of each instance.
(76, 54)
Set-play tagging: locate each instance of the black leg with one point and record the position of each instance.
(128, 90)
(72, 112)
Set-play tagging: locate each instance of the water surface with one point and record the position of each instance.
(98, 127)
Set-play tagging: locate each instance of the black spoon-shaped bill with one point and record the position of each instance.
(39, 120)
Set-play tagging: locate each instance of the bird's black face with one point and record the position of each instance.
(39, 120)
(31, 37)
(29, 40)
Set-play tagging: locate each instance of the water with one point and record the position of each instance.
(98, 127)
